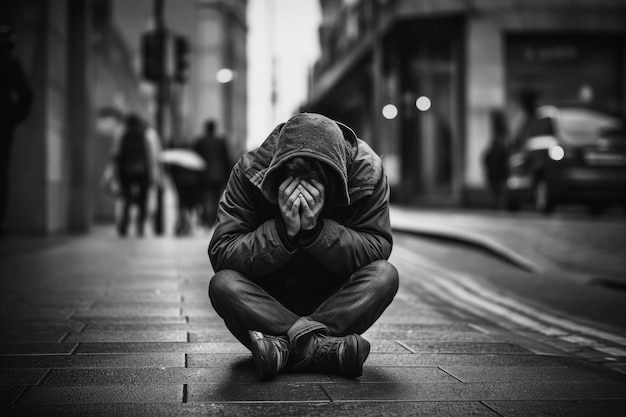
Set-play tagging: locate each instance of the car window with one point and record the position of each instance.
(584, 126)
(541, 127)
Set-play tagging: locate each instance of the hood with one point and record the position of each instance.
(314, 136)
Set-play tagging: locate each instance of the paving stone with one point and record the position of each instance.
(427, 359)
(40, 313)
(403, 317)
(37, 348)
(212, 321)
(222, 335)
(159, 327)
(310, 409)
(128, 336)
(141, 304)
(397, 375)
(95, 361)
(136, 326)
(570, 408)
(102, 394)
(141, 297)
(528, 374)
(26, 336)
(386, 346)
(155, 347)
(422, 327)
(454, 347)
(130, 312)
(147, 285)
(200, 360)
(429, 336)
(199, 312)
(40, 326)
(49, 303)
(21, 376)
(474, 391)
(9, 394)
(262, 391)
(242, 373)
(119, 321)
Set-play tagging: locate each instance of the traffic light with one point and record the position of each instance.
(182, 50)
(153, 53)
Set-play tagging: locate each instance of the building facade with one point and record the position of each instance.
(79, 63)
(442, 67)
(218, 87)
(52, 177)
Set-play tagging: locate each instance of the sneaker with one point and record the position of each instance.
(270, 354)
(339, 355)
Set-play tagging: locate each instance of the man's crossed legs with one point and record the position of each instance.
(328, 340)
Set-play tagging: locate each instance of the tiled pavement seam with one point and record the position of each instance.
(146, 346)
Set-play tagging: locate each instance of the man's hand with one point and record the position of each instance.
(289, 203)
(311, 196)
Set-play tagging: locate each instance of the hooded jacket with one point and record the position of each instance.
(353, 230)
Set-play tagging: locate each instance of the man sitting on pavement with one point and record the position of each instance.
(300, 249)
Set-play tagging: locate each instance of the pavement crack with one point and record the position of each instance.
(326, 393)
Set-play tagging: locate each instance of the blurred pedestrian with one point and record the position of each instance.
(300, 249)
(135, 168)
(528, 100)
(495, 156)
(16, 97)
(185, 168)
(214, 150)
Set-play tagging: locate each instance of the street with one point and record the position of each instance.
(561, 277)
(97, 325)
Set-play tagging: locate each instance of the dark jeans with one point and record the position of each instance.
(358, 303)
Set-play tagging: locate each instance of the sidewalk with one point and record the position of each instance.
(578, 244)
(96, 325)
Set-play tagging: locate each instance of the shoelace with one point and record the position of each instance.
(329, 353)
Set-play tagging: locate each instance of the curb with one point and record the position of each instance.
(478, 241)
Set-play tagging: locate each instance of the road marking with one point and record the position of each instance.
(462, 291)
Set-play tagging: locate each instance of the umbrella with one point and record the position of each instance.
(185, 158)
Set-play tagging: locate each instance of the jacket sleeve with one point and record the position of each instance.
(364, 238)
(244, 240)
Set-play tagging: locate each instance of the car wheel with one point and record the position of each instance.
(542, 197)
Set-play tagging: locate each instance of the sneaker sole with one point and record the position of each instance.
(260, 355)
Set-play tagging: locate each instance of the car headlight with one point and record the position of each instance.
(556, 153)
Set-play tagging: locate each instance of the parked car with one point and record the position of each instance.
(571, 154)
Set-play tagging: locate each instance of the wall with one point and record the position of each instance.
(38, 199)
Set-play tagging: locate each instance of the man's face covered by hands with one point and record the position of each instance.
(301, 195)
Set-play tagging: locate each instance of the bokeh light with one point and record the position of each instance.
(390, 111)
(225, 75)
(556, 153)
(422, 103)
